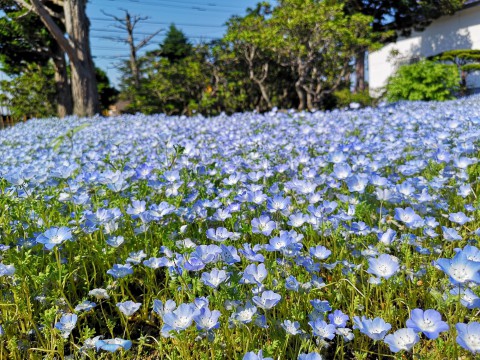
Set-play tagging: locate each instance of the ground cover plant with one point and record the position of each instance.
(334, 235)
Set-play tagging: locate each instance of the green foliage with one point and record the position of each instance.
(30, 94)
(424, 80)
(108, 94)
(175, 46)
(345, 97)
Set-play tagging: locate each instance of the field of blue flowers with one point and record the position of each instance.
(326, 235)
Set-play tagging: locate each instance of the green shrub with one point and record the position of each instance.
(345, 97)
(424, 80)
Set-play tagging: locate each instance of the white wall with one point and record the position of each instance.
(459, 31)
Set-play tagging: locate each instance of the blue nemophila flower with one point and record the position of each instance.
(320, 252)
(136, 257)
(338, 318)
(429, 322)
(66, 324)
(7, 270)
(54, 236)
(85, 306)
(179, 319)
(99, 294)
(375, 329)
(468, 298)
(2, 332)
(384, 266)
(214, 278)
(162, 309)
(291, 283)
(409, 217)
(115, 241)
(229, 254)
(402, 339)
(254, 274)
(345, 333)
(342, 171)
(468, 336)
(206, 319)
(322, 329)
(310, 356)
(387, 237)
(291, 327)
(450, 234)
(322, 306)
(113, 345)
(472, 253)
(220, 234)
(263, 225)
(245, 314)
(251, 254)
(128, 308)
(459, 269)
(120, 271)
(252, 356)
(268, 300)
(458, 218)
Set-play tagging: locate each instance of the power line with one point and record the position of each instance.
(195, 6)
(162, 23)
(209, 4)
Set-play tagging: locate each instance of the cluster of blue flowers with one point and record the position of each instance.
(286, 224)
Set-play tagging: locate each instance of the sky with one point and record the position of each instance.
(200, 20)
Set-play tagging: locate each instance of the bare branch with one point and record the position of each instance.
(146, 40)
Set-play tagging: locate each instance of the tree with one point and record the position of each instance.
(249, 37)
(397, 18)
(175, 46)
(24, 41)
(107, 93)
(466, 61)
(75, 44)
(128, 24)
(317, 40)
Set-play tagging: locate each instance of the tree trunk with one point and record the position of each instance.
(360, 71)
(84, 84)
(64, 91)
(133, 51)
(301, 95)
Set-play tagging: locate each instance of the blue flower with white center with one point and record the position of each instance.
(252, 356)
(85, 306)
(338, 318)
(179, 319)
(268, 300)
(291, 327)
(320, 252)
(450, 234)
(263, 225)
(7, 270)
(458, 218)
(467, 297)
(402, 339)
(128, 308)
(385, 266)
(291, 283)
(387, 237)
(310, 356)
(429, 322)
(251, 254)
(468, 336)
(161, 309)
(54, 236)
(375, 329)
(220, 234)
(460, 270)
(115, 241)
(245, 314)
(206, 319)
(113, 345)
(66, 324)
(119, 271)
(322, 329)
(214, 278)
(254, 274)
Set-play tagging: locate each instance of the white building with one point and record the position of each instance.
(459, 31)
